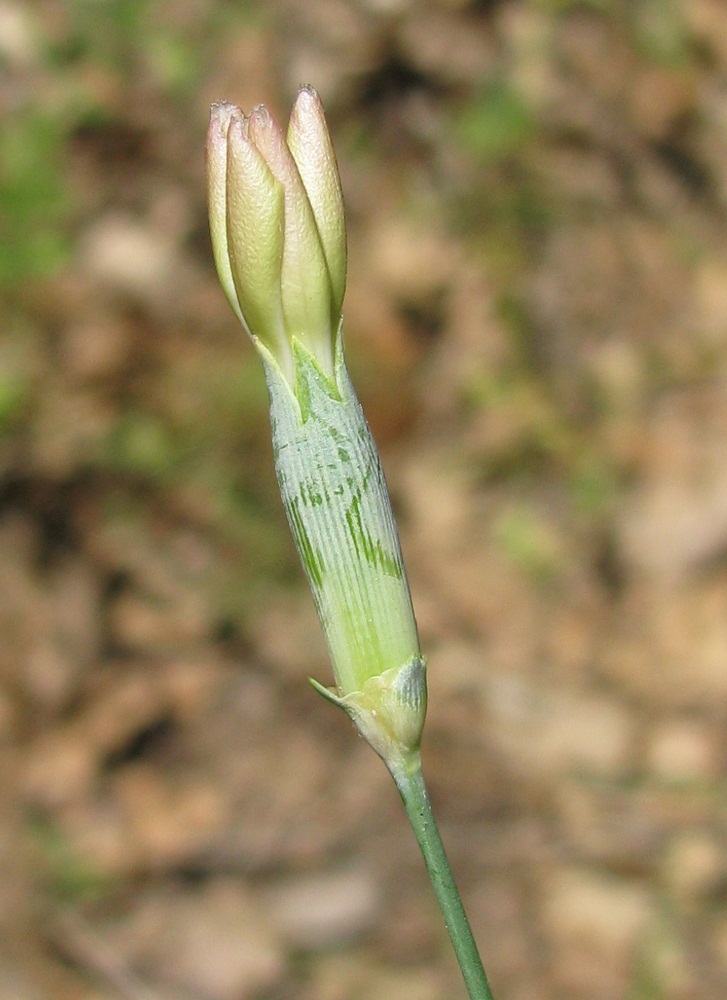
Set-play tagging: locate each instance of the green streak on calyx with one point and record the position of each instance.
(312, 562)
(364, 544)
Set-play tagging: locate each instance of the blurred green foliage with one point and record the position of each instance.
(495, 123)
(15, 381)
(35, 205)
(141, 444)
(69, 878)
(530, 543)
(659, 31)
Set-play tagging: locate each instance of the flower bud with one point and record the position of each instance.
(278, 232)
(277, 226)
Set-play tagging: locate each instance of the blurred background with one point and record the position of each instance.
(537, 324)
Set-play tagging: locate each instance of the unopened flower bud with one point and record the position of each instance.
(277, 225)
(279, 239)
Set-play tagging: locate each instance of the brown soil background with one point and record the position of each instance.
(537, 323)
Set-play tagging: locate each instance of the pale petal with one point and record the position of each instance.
(306, 291)
(312, 149)
(220, 117)
(255, 230)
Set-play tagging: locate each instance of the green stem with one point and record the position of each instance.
(407, 774)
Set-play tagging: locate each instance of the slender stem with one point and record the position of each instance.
(407, 774)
